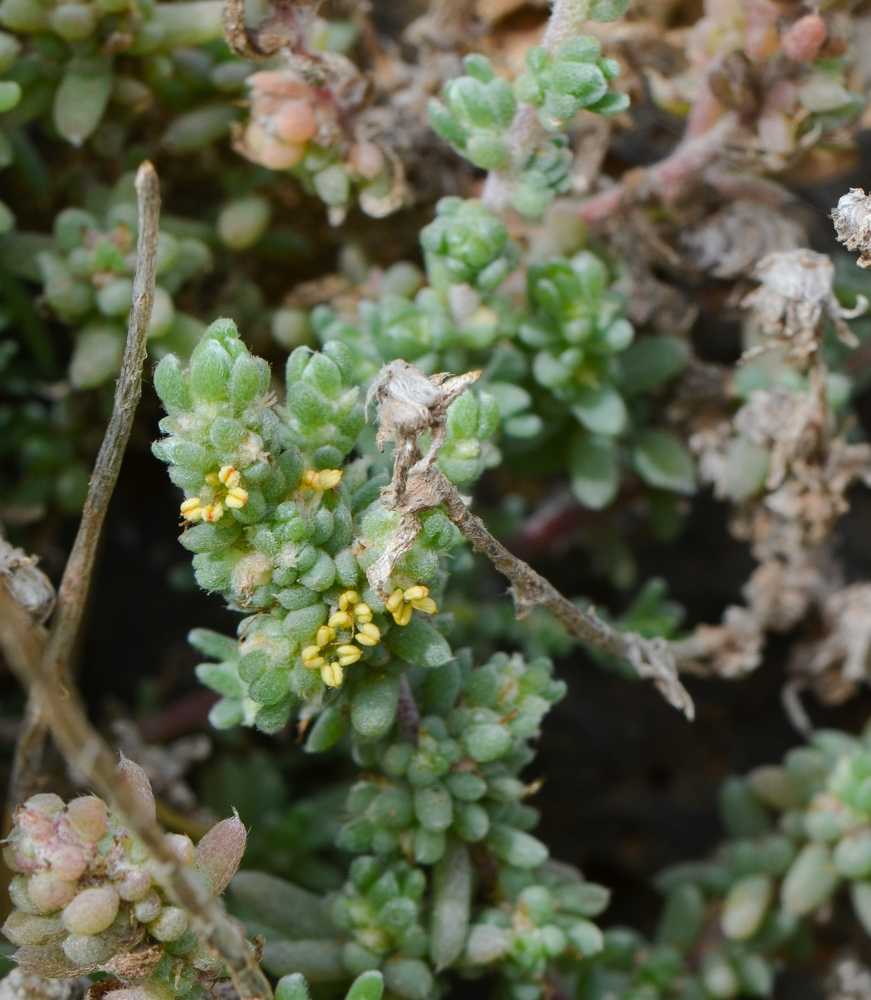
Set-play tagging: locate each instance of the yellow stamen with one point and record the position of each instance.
(369, 634)
(192, 509)
(416, 593)
(229, 476)
(403, 615)
(213, 512)
(348, 655)
(394, 602)
(425, 604)
(349, 598)
(325, 635)
(328, 478)
(332, 674)
(311, 657)
(236, 497)
(363, 613)
(340, 619)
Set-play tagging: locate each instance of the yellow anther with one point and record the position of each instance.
(394, 602)
(325, 635)
(425, 604)
(348, 599)
(332, 674)
(416, 593)
(348, 655)
(363, 613)
(340, 619)
(236, 497)
(212, 479)
(328, 478)
(192, 509)
(311, 657)
(369, 634)
(403, 615)
(321, 481)
(213, 512)
(229, 476)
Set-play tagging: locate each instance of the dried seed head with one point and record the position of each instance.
(852, 219)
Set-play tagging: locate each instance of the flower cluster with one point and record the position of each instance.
(285, 529)
(86, 895)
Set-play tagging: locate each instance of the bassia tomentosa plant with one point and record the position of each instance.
(291, 516)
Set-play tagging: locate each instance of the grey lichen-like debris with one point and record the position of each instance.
(852, 219)
(30, 587)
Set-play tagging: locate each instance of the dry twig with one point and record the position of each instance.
(64, 715)
(42, 666)
(73, 591)
(407, 400)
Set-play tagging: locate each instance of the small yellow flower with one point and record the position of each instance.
(348, 654)
(394, 602)
(229, 476)
(415, 593)
(325, 635)
(348, 599)
(369, 634)
(321, 481)
(401, 602)
(332, 674)
(213, 512)
(192, 509)
(363, 613)
(340, 619)
(236, 497)
(311, 657)
(425, 604)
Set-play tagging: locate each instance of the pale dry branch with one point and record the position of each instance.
(75, 585)
(64, 714)
(418, 485)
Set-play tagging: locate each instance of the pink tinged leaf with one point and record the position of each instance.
(134, 781)
(220, 852)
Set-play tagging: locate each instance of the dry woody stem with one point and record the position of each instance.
(42, 665)
(64, 714)
(74, 587)
(409, 404)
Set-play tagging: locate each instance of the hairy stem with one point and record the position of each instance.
(566, 20)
